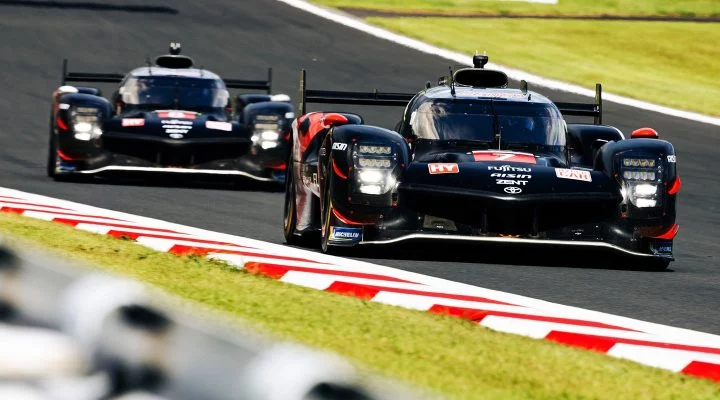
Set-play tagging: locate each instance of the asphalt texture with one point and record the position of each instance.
(240, 39)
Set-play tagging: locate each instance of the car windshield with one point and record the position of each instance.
(497, 124)
(182, 93)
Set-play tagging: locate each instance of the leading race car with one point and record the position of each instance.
(168, 119)
(473, 160)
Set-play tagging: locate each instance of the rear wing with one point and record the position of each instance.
(585, 109)
(87, 76)
(265, 85)
(358, 98)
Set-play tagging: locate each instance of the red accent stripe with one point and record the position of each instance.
(280, 167)
(670, 233)
(421, 293)
(703, 370)
(61, 124)
(23, 203)
(184, 250)
(73, 222)
(337, 171)
(478, 315)
(601, 341)
(348, 221)
(12, 210)
(675, 186)
(350, 289)
(322, 271)
(64, 156)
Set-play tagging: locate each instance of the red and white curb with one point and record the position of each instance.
(662, 346)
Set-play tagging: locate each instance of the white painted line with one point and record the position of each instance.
(516, 74)
(674, 360)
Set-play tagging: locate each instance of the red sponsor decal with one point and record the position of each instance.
(133, 122)
(504, 156)
(177, 114)
(443, 168)
(575, 174)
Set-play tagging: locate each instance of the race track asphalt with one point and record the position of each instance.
(240, 39)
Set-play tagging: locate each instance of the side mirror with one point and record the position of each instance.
(644, 133)
(334, 119)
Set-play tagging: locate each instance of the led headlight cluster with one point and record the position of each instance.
(267, 131)
(642, 177)
(374, 165)
(86, 123)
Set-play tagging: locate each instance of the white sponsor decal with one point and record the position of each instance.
(176, 122)
(510, 182)
(64, 106)
(176, 135)
(671, 158)
(339, 146)
(133, 122)
(506, 168)
(512, 190)
(575, 174)
(219, 125)
(512, 176)
(175, 131)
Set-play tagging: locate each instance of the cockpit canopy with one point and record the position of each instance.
(174, 92)
(498, 124)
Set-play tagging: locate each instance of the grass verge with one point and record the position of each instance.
(668, 63)
(452, 357)
(688, 8)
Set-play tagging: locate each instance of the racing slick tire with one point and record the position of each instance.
(52, 160)
(290, 216)
(327, 221)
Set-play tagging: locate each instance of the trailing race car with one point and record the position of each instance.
(168, 119)
(474, 160)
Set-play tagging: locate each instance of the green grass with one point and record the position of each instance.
(564, 7)
(673, 64)
(453, 357)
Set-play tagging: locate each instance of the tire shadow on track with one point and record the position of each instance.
(241, 185)
(540, 256)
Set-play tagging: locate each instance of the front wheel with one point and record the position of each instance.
(290, 214)
(52, 160)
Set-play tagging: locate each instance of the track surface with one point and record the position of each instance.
(242, 42)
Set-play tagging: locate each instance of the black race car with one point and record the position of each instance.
(474, 160)
(168, 119)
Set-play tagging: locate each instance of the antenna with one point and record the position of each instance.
(149, 64)
(524, 86)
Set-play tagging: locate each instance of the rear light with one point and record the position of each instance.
(675, 186)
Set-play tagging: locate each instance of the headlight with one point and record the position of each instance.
(374, 165)
(364, 162)
(642, 177)
(86, 123)
(366, 149)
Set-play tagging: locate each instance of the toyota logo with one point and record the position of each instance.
(512, 190)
